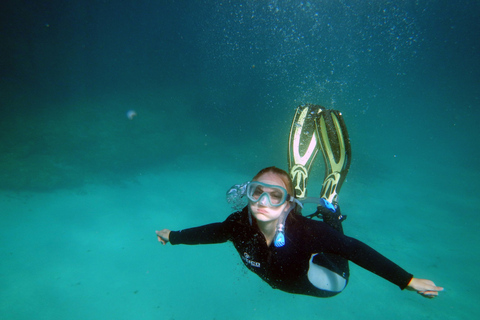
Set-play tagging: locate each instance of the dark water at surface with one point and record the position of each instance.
(215, 85)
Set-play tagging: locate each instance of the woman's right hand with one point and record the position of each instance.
(424, 287)
(163, 236)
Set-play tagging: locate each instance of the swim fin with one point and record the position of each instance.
(302, 147)
(333, 137)
(315, 128)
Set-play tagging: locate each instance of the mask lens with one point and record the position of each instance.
(276, 197)
(257, 192)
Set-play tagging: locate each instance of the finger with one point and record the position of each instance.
(160, 240)
(428, 294)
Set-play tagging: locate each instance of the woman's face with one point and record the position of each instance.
(260, 209)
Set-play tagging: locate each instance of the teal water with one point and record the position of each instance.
(215, 85)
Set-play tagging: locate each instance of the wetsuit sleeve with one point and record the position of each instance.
(361, 254)
(368, 258)
(207, 234)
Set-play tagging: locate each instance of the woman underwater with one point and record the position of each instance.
(289, 251)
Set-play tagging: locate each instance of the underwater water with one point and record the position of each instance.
(214, 85)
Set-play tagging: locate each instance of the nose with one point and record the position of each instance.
(263, 200)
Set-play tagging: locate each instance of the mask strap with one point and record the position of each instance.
(296, 201)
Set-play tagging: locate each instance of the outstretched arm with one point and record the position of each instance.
(207, 234)
(424, 287)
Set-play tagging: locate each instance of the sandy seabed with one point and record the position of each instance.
(93, 254)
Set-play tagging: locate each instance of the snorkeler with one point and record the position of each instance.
(289, 251)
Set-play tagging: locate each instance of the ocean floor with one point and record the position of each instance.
(91, 253)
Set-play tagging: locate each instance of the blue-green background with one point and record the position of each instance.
(215, 85)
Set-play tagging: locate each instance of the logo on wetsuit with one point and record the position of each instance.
(246, 257)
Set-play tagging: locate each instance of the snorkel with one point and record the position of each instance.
(279, 239)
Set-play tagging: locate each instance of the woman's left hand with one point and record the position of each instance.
(424, 287)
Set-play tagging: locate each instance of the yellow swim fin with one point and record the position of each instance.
(302, 147)
(315, 128)
(333, 137)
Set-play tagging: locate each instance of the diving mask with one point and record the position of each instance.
(267, 194)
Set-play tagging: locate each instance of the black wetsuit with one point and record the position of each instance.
(286, 268)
